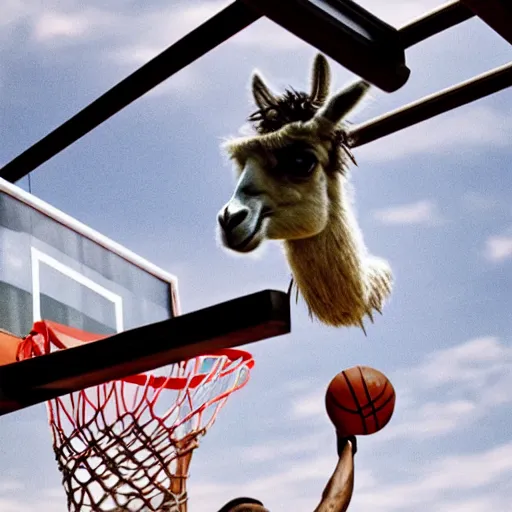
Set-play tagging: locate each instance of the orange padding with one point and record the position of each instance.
(14, 348)
(9, 344)
(46, 334)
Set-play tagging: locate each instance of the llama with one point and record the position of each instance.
(292, 186)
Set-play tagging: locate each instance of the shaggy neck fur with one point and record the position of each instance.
(332, 270)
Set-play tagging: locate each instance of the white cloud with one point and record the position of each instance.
(434, 483)
(498, 248)
(53, 22)
(470, 363)
(474, 126)
(142, 37)
(467, 382)
(420, 212)
(431, 420)
(52, 25)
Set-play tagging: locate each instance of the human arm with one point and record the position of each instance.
(338, 491)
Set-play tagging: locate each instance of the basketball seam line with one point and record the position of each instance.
(332, 398)
(342, 407)
(368, 396)
(386, 402)
(356, 401)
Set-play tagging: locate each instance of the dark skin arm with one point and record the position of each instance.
(338, 491)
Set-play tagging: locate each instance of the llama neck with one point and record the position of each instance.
(327, 268)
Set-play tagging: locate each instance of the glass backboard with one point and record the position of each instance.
(53, 267)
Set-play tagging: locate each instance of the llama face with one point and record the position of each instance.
(281, 193)
(287, 173)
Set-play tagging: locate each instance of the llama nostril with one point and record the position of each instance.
(220, 218)
(229, 221)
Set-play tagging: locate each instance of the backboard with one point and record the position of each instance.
(56, 268)
(53, 267)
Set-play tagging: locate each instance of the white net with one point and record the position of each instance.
(126, 445)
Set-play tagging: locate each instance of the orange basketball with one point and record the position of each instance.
(360, 401)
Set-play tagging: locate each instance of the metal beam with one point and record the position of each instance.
(444, 17)
(496, 13)
(189, 48)
(237, 322)
(431, 106)
(347, 33)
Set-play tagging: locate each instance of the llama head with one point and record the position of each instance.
(288, 175)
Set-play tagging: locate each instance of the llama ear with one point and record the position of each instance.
(262, 94)
(320, 80)
(341, 104)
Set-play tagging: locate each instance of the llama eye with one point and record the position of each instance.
(295, 161)
(302, 164)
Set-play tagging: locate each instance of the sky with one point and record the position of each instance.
(433, 199)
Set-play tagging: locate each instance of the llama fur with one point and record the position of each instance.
(309, 210)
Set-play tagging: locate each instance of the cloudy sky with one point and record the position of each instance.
(433, 199)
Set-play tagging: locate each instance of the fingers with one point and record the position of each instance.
(342, 442)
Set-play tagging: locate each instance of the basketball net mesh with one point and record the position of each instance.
(127, 445)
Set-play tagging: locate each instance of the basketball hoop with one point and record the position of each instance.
(126, 445)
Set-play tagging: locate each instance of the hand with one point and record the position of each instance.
(342, 441)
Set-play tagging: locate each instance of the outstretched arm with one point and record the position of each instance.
(338, 491)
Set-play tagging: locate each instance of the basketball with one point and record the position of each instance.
(360, 401)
